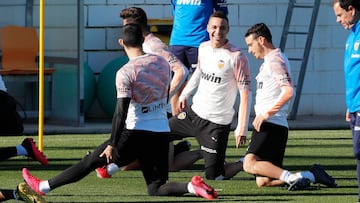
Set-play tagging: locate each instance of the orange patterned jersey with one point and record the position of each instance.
(154, 45)
(145, 79)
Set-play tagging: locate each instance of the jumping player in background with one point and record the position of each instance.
(139, 127)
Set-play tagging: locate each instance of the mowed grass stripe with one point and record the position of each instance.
(330, 148)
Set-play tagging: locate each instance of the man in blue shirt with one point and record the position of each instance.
(189, 30)
(189, 27)
(347, 13)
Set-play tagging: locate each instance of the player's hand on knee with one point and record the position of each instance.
(107, 153)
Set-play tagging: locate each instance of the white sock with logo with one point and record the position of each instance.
(288, 177)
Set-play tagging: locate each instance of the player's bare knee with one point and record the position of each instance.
(247, 166)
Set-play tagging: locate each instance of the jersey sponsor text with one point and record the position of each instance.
(211, 77)
(189, 2)
(147, 109)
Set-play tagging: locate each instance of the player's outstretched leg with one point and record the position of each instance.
(33, 151)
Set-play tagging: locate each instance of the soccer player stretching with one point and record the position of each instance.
(264, 157)
(222, 73)
(139, 127)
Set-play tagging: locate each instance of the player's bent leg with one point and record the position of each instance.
(72, 174)
(184, 160)
(231, 169)
(249, 164)
(196, 186)
(135, 165)
(81, 169)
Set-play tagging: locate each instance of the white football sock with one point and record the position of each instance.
(190, 188)
(44, 186)
(288, 177)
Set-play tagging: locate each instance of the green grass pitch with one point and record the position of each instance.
(330, 148)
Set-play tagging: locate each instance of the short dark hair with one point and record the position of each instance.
(220, 14)
(260, 29)
(132, 35)
(135, 15)
(344, 4)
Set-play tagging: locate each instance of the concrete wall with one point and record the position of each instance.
(323, 90)
(61, 40)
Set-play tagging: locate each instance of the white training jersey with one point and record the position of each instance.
(220, 74)
(273, 74)
(145, 79)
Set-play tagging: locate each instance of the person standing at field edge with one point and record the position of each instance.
(347, 13)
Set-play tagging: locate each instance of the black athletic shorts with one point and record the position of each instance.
(212, 138)
(270, 143)
(150, 148)
(182, 126)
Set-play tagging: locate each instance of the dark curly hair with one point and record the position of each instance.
(135, 15)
